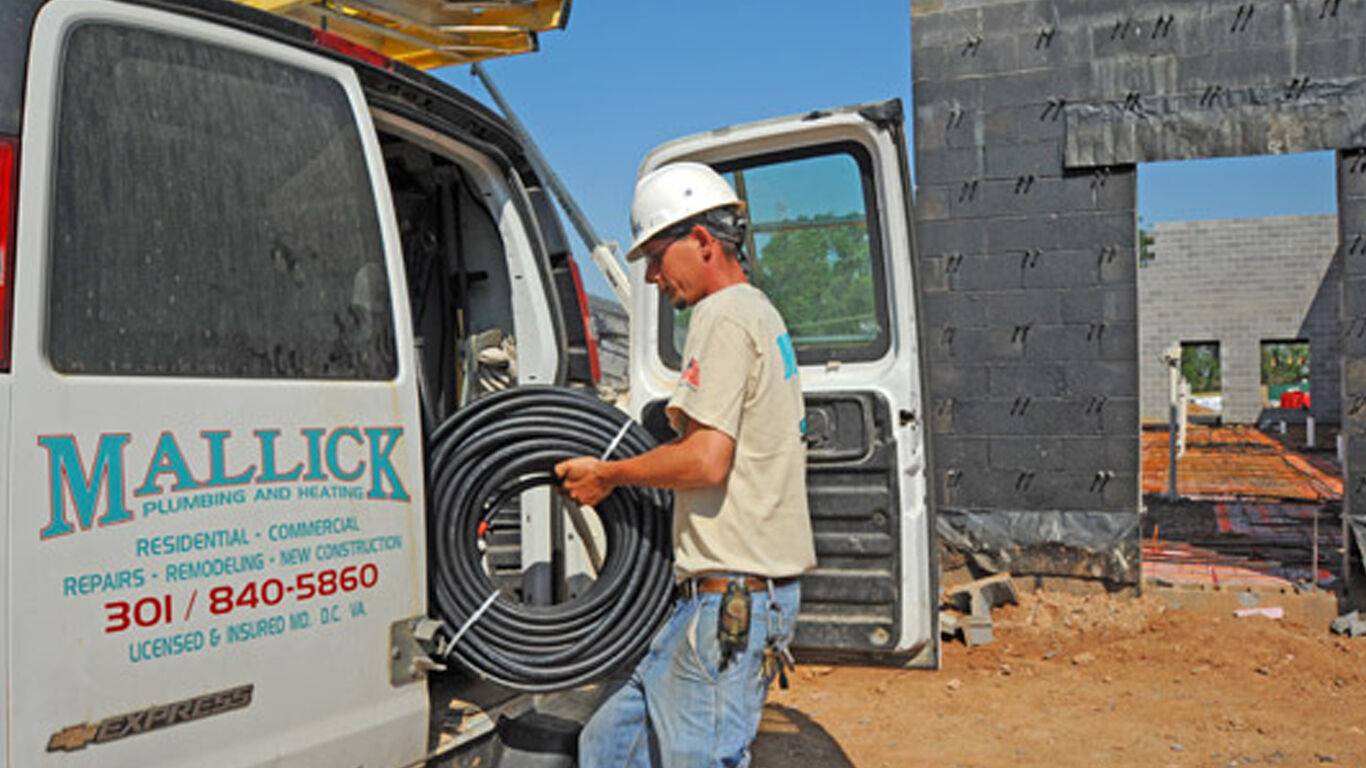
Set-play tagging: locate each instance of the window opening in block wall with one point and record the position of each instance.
(1285, 374)
(1236, 188)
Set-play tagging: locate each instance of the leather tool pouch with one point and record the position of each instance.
(732, 625)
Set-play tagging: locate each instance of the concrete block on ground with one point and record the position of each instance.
(1350, 624)
(976, 599)
(949, 624)
(977, 632)
(982, 594)
(1315, 610)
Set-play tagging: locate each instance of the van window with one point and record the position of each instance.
(212, 216)
(814, 250)
(16, 18)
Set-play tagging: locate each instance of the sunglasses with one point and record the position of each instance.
(657, 245)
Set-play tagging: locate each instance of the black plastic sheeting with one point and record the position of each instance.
(1092, 545)
(1357, 523)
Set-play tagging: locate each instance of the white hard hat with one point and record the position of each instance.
(675, 193)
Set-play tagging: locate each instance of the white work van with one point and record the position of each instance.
(245, 269)
(239, 271)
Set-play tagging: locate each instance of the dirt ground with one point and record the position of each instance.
(1095, 680)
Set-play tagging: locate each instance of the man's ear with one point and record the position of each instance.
(705, 241)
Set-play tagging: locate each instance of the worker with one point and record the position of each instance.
(741, 530)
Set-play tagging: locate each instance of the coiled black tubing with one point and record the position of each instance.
(484, 456)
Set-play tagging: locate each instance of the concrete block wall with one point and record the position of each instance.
(1352, 231)
(1240, 283)
(1030, 118)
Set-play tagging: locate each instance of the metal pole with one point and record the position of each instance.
(1173, 360)
(1346, 514)
(1182, 412)
(1172, 427)
(1314, 569)
(603, 253)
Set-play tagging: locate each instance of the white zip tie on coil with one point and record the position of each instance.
(612, 446)
(470, 622)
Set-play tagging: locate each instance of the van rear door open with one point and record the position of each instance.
(830, 243)
(214, 410)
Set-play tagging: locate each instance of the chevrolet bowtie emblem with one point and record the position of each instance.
(72, 738)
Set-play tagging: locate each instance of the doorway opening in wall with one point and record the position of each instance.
(1238, 262)
(1237, 251)
(1204, 376)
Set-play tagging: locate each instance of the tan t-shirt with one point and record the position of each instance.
(740, 377)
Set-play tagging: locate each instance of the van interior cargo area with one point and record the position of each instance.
(458, 285)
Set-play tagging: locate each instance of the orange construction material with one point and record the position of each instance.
(1179, 564)
(1236, 462)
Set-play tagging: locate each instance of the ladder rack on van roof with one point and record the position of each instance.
(429, 33)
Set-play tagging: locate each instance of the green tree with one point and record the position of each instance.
(1145, 243)
(819, 275)
(1285, 366)
(1200, 366)
(1285, 363)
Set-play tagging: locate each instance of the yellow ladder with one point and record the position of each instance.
(429, 33)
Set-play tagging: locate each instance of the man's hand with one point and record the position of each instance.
(584, 479)
(699, 459)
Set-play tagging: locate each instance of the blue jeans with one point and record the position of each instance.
(676, 710)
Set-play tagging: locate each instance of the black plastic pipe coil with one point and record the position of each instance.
(488, 453)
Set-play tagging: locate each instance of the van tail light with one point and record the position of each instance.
(9, 198)
(352, 50)
(590, 339)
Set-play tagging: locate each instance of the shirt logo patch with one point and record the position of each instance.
(789, 354)
(692, 375)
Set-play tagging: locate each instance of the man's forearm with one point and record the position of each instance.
(670, 465)
(699, 459)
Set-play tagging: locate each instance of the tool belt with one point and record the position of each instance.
(715, 585)
(732, 624)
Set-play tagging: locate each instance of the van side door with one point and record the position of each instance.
(215, 513)
(830, 243)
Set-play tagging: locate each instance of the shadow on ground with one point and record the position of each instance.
(787, 737)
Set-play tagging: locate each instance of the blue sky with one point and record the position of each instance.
(627, 76)
(1238, 187)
